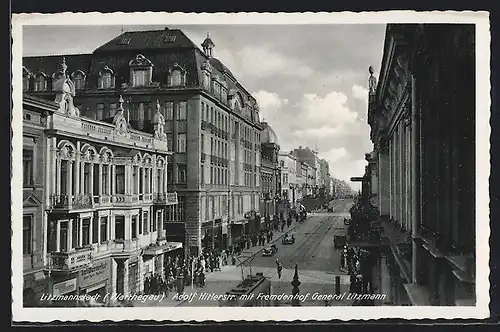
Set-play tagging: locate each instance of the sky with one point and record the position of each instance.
(310, 80)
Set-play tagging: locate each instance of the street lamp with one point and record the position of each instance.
(295, 289)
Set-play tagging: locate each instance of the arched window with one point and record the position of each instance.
(40, 82)
(106, 79)
(175, 78)
(78, 78)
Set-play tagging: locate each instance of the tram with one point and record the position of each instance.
(254, 291)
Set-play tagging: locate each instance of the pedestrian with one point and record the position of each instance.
(279, 268)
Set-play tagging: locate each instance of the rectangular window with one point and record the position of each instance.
(63, 236)
(212, 115)
(27, 235)
(181, 143)
(202, 145)
(100, 111)
(182, 111)
(169, 142)
(105, 172)
(86, 232)
(211, 174)
(76, 233)
(169, 174)
(140, 77)
(28, 167)
(134, 227)
(146, 223)
(104, 229)
(120, 179)
(119, 227)
(181, 174)
(169, 110)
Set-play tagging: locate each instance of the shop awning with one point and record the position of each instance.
(156, 250)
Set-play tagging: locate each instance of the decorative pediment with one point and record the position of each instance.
(32, 201)
(105, 69)
(140, 61)
(175, 67)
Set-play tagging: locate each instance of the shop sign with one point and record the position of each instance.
(64, 287)
(98, 272)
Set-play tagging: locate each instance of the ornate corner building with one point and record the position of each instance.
(210, 125)
(421, 173)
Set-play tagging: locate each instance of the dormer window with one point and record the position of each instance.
(177, 76)
(106, 79)
(141, 71)
(78, 78)
(40, 82)
(26, 79)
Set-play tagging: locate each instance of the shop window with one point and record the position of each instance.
(27, 235)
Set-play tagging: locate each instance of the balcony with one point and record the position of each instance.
(103, 131)
(104, 200)
(71, 261)
(123, 248)
(71, 202)
(165, 198)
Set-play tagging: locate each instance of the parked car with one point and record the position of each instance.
(288, 239)
(270, 251)
(330, 209)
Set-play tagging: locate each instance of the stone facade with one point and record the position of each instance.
(421, 172)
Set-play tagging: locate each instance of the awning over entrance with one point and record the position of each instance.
(155, 250)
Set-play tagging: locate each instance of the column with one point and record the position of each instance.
(128, 179)
(100, 193)
(112, 186)
(144, 170)
(128, 227)
(91, 229)
(70, 180)
(82, 177)
(58, 236)
(70, 234)
(91, 183)
(111, 228)
(114, 272)
(165, 178)
(160, 189)
(77, 170)
(98, 229)
(53, 165)
(58, 177)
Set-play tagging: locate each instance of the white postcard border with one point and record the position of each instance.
(483, 102)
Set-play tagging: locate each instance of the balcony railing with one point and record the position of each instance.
(71, 261)
(71, 202)
(166, 198)
(120, 247)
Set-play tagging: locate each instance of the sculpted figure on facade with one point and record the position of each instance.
(121, 124)
(372, 82)
(159, 123)
(65, 91)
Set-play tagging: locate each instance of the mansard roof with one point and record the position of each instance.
(51, 64)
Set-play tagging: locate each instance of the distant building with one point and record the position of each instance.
(291, 189)
(211, 125)
(270, 173)
(310, 159)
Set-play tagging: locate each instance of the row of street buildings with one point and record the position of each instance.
(420, 176)
(146, 148)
